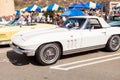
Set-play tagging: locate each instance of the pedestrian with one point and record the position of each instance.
(48, 19)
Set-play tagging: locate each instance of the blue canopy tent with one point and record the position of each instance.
(17, 12)
(52, 7)
(72, 6)
(88, 5)
(79, 5)
(91, 5)
(73, 12)
(32, 8)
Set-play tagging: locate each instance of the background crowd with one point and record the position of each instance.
(54, 17)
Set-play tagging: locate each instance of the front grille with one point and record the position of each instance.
(21, 48)
(14, 44)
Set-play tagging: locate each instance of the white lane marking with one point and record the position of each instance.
(95, 62)
(61, 67)
(91, 59)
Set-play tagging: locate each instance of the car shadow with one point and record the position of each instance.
(4, 46)
(21, 60)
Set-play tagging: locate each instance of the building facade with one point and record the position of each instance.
(108, 5)
(7, 7)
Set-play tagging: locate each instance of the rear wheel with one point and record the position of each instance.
(48, 54)
(113, 44)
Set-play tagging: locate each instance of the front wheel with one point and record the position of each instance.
(113, 43)
(48, 53)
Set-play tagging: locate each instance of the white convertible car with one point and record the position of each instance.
(77, 34)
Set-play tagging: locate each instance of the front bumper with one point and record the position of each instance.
(19, 50)
(6, 42)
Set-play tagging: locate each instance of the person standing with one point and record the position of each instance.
(29, 19)
(48, 19)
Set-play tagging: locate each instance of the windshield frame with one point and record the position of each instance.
(78, 23)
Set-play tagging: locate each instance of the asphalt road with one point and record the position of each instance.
(91, 65)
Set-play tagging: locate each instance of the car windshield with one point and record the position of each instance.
(16, 22)
(74, 23)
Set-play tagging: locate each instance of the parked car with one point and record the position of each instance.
(115, 21)
(14, 26)
(77, 34)
(3, 21)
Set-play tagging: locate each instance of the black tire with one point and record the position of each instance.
(48, 54)
(113, 43)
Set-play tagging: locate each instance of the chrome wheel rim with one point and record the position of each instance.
(115, 43)
(49, 54)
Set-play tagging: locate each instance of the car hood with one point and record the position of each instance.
(25, 35)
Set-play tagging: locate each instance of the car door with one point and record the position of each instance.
(74, 34)
(93, 34)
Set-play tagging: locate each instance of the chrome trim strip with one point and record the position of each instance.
(83, 49)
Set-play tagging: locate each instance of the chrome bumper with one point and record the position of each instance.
(4, 42)
(19, 50)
